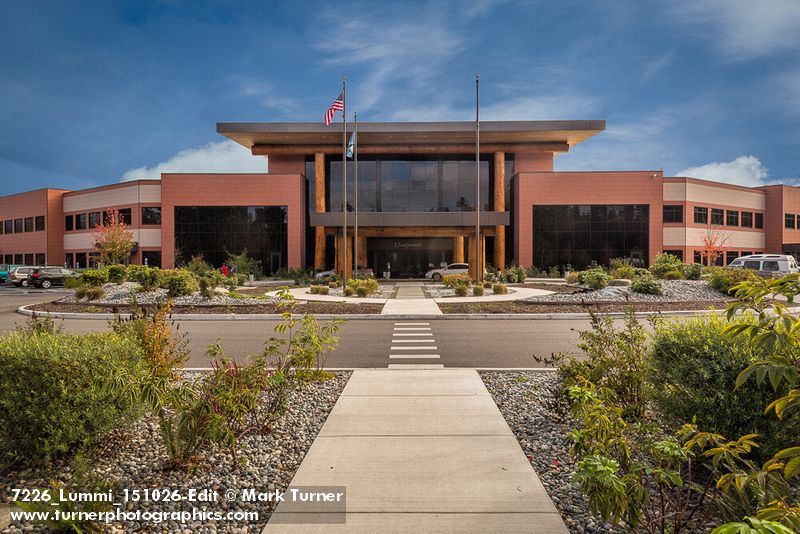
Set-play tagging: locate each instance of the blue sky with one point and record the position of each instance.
(94, 92)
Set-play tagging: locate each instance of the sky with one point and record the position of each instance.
(95, 92)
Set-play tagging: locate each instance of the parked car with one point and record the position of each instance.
(767, 264)
(19, 275)
(5, 271)
(454, 268)
(46, 277)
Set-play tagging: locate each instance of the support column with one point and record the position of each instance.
(473, 257)
(340, 256)
(319, 187)
(362, 252)
(500, 205)
(458, 249)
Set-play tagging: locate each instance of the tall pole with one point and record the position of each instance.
(355, 160)
(478, 269)
(344, 180)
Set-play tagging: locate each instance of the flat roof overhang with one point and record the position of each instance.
(411, 219)
(292, 138)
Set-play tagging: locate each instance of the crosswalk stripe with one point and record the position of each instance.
(413, 341)
(412, 356)
(416, 366)
(412, 324)
(429, 347)
(398, 334)
(412, 328)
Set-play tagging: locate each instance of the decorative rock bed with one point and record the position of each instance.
(440, 291)
(133, 458)
(118, 294)
(673, 291)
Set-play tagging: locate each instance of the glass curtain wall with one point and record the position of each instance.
(579, 234)
(215, 232)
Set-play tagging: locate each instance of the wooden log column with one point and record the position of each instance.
(362, 251)
(458, 249)
(340, 255)
(473, 257)
(319, 186)
(500, 205)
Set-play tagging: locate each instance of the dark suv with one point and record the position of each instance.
(46, 277)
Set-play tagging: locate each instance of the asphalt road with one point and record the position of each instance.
(364, 343)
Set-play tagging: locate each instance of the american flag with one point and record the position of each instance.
(338, 105)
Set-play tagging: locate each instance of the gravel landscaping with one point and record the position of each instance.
(385, 291)
(673, 291)
(435, 291)
(541, 422)
(133, 458)
(528, 306)
(260, 307)
(124, 292)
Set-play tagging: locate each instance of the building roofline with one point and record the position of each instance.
(35, 191)
(113, 186)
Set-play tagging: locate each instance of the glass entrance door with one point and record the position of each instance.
(408, 257)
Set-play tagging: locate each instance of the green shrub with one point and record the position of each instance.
(455, 280)
(693, 368)
(89, 292)
(209, 281)
(674, 274)
(461, 291)
(665, 262)
(499, 289)
(477, 291)
(362, 291)
(147, 277)
(349, 292)
(245, 264)
(533, 272)
(56, 391)
(94, 277)
(314, 290)
(116, 274)
(572, 277)
(622, 268)
(724, 278)
(198, 266)
(323, 290)
(595, 278)
(232, 281)
(646, 285)
(553, 272)
(515, 275)
(72, 283)
(692, 271)
(178, 282)
(301, 277)
(487, 284)
(369, 285)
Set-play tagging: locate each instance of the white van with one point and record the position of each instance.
(775, 265)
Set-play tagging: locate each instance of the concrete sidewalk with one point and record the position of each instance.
(410, 300)
(421, 451)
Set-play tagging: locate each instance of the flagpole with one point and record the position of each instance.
(355, 220)
(478, 269)
(344, 180)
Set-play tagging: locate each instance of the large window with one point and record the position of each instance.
(214, 232)
(732, 218)
(8, 226)
(29, 224)
(700, 215)
(40, 259)
(788, 220)
(125, 215)
(17, 226)
(717, 216)
(151, 215)
(39, 224)
(673, 214)
(80, 222)
(580, 234)
(759, 220)
(747, 219)
(69, 222)
(408, 184)
(94, 219)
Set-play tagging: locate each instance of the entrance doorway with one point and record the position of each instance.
(409, 257)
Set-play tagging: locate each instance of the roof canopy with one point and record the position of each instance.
(265, 138)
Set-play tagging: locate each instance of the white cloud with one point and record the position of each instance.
(744, 29)
(744, 170)
(224, 156)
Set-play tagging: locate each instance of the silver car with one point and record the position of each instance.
(454, 268)
(19, 276)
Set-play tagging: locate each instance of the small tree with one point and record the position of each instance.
(713, 242)
(112, 240)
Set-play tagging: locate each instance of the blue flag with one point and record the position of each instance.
(351, 144)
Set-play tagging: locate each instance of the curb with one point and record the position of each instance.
(379, 317)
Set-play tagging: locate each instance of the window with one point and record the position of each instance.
(125, 216)
(80, 223)
(759, 220)
(677, 253)
(8, 226)
(28, 259)
(94, 219)
(80, 260)
(788, 220)
(730, 256)
(29, 224)
(700, 215)
(69, 260)
(17, 226)
(69, 222)
(39, 225)
(770, 266)
(732, 218)
(9, 258)
(153, 215)
(40, 259)
(18, 259)
(1, 229)
(151, 258)
(698, 258)
(717, 216)
(673, 214)
(746, 253)
(747, 219)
